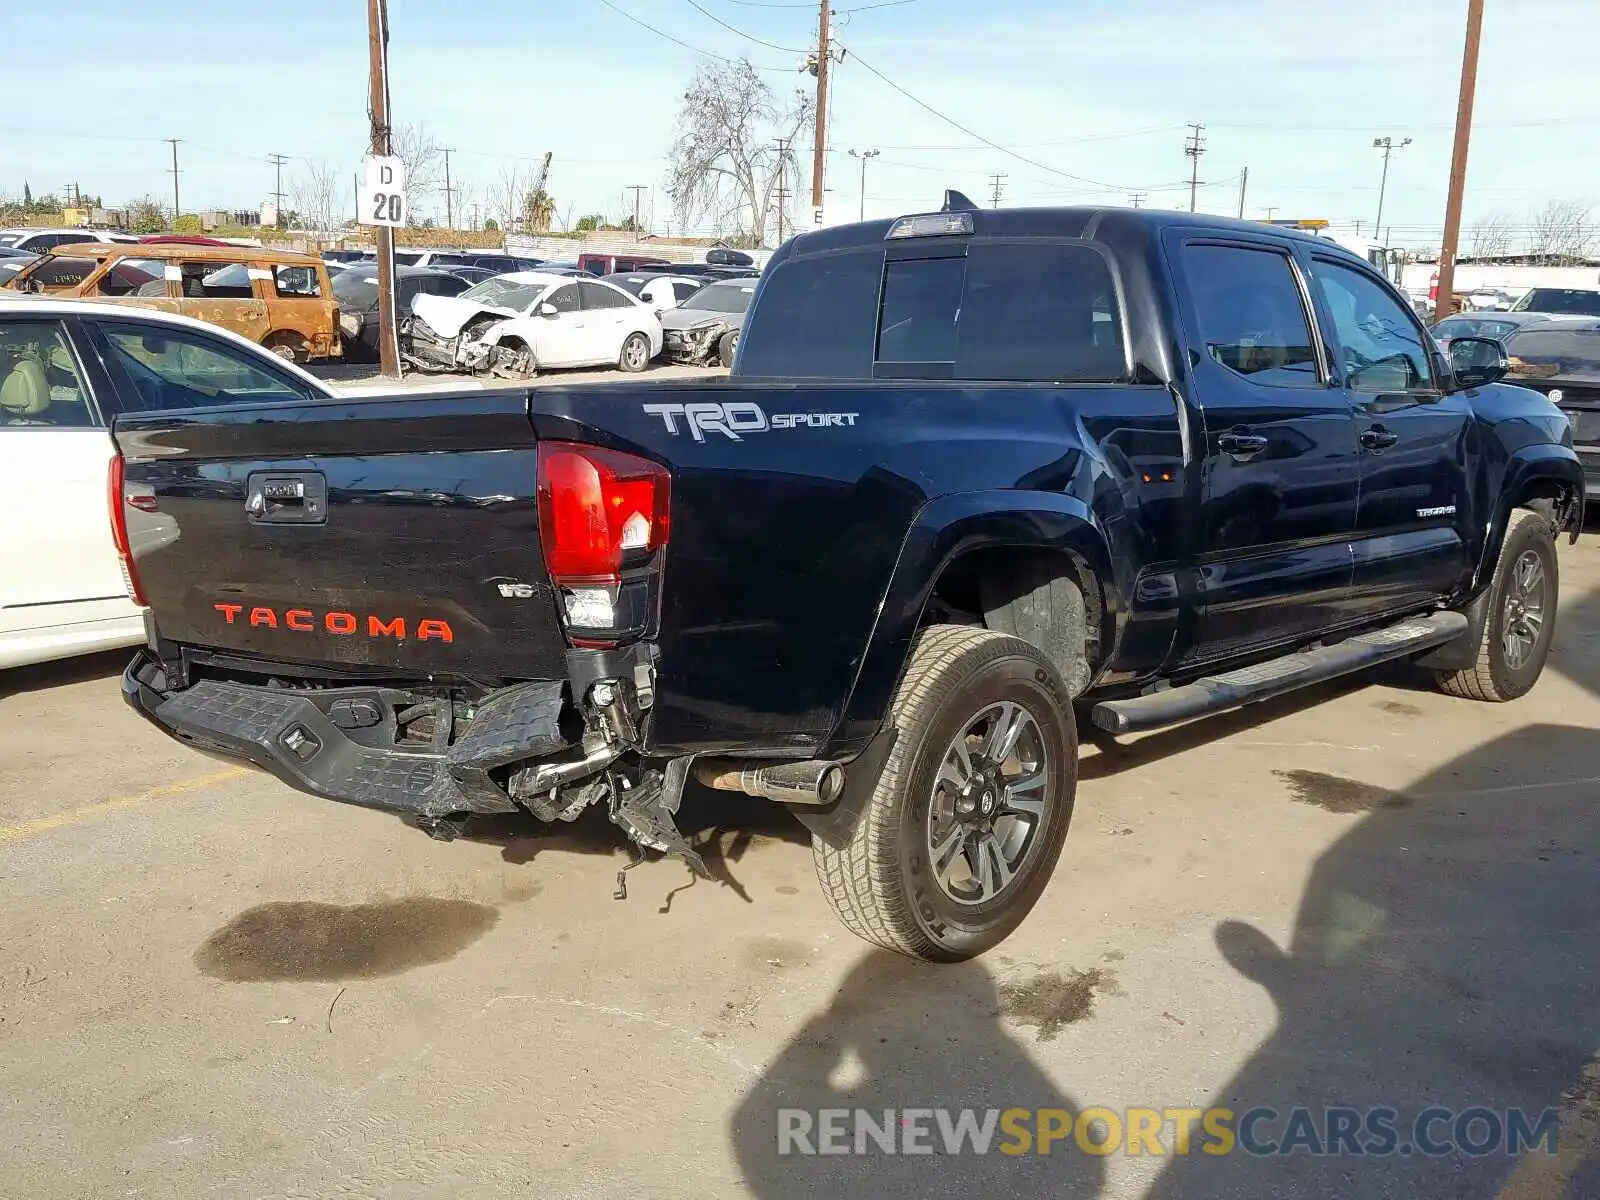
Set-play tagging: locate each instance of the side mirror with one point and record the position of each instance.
(549, 310)
(1476, 362)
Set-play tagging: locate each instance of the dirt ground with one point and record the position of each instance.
(211, 985)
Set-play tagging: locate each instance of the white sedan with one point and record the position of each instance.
(514, 325)
(67, 369)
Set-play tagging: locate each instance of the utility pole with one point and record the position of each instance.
(783, 183)
(1271, 208)
(636, 189)
(449, 208)
(1444, 305)
(1386, 144)
(1244, 180)
(997, 183)
(864, 156)
(1136, 199)
(277, 160)
(174, 171)
(378, 106)
(1194, 146)
(819, 150)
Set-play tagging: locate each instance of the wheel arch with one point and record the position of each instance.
(951, 541)
(1533, 475)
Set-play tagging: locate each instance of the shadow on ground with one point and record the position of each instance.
(107, 665)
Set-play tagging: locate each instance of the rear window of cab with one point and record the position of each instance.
(1001, 311)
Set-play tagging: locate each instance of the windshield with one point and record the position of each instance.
(55, 272)
(1579, 301)
(1549, 353)
(722, 297)
(506, 293)
(355, 288)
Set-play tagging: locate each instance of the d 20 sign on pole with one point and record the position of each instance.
(383, 198)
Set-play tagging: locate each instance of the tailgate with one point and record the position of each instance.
(397, 534)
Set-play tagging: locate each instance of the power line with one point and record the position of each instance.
(622, 12)
(749, 37)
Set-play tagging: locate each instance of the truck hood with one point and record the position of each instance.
(688, 318)
(445, 315)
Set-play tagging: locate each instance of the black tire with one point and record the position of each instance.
(882, 882)
(287, 346)
(1499, 675)
(727, 346)
(635, 355)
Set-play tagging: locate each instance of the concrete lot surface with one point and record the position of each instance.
(1373, 895)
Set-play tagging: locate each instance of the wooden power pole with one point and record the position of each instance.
(820, 149)
(1444, 303)
(378, 107)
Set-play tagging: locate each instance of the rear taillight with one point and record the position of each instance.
(117, 499)
(603, 516)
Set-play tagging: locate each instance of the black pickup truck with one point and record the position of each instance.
(974, 471)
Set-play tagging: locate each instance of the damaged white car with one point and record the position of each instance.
(514, 325)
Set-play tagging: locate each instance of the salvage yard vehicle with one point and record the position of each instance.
(705, 328)
(617, 264)
(67, 369)
(514, 325)
(279, 298)
(974, 470)
(356, 290)
(38, 241)
(1560, 356)
(660, 292)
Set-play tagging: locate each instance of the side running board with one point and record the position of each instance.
(1217, 693)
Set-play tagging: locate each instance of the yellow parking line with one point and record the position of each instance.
(27, 829)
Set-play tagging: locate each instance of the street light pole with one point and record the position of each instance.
(864, 156)
(1386, 144)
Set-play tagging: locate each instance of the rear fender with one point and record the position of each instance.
(943, 530)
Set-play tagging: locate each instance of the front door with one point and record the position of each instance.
(1279, 472)
(1413, 518)
(561, 340)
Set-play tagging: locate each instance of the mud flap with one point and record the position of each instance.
(835, 824)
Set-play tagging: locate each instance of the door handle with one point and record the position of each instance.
(1241, 444)
(1378, 438)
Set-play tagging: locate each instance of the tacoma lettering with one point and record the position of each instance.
(344, 624)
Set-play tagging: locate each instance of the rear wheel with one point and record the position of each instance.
(727, 347)
(635, 355)
(1521, 620)
(967, 818)
(290, 347)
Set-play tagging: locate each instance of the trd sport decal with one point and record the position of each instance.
(740, 417)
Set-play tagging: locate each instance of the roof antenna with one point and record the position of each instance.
(954, 201)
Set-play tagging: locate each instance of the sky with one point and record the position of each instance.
(1074, 101)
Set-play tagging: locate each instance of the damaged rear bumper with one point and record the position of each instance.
(305, 738)
(692, 345)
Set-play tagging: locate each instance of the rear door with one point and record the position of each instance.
(1414, 517)
(299, 302)
(225, 294)
(396, 534)
(1280, 465)
(608, 315)
(58, 564)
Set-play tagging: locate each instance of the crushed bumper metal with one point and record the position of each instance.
(285, 733)
(691, 345)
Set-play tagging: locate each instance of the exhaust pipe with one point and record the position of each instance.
(814, 782)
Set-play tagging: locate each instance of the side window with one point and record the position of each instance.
(682, 291)
(1250, 315)
(1381, 346)
(450, 285)
(134, 277)
(565, 298)
(817, 318)
(921, 300)
(211, 281)
(169, 369)
(296, 281)
(57, 274)
(598, 296)
(1039, 313)
(405, 291)
(39, 381)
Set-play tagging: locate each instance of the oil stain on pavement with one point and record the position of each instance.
(1338, 794)
(305, 940)
(1052, 1001)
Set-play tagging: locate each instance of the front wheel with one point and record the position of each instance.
(967, 818)
(1521, 620)
(635, 355)
(727, 347)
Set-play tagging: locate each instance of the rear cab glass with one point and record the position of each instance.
(1020, 311)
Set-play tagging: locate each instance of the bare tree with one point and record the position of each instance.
(1560, 231)
(503, 198)
(725, 163)
(423, 159)
(317, 194)
(1491, 237)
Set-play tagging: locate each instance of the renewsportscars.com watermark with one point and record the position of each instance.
(1372, 1132)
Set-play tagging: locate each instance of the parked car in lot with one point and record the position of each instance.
(1497, 325)
(1560, 357)
(471, 275)
(12, 261)
(974, 470)
(1583, 302)
(356, 290)
(40, 240)
(705, 327)
(278, 298)
(514, 325)
(67, 369)
(614, 264)
(660, 292)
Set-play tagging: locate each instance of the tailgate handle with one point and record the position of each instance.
(287, 497)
